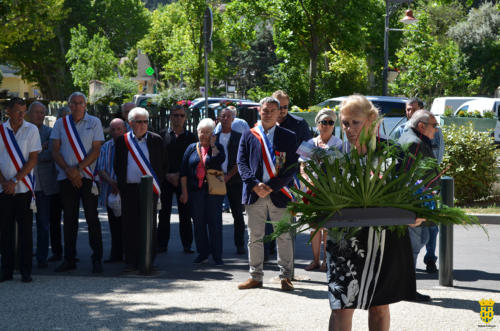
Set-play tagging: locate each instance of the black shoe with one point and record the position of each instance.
(26, 279)
(240, 250)
(113, 260)
(422, 297)
(4, 278)
(431, 268)
(96, 267)
(188, 250)
(42, 265)
(65, 266)
(54, 258)
(129, 269)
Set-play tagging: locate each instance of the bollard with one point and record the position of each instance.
(446, 235)
(146, 221)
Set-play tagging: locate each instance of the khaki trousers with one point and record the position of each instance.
(258, 213)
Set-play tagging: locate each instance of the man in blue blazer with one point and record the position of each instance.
(267, 163)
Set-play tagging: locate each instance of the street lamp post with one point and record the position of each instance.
(408, 19)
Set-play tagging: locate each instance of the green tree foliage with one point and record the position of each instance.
(479, 40)
(117, 90)
(90, 58)
(431, 67)
(472, 157)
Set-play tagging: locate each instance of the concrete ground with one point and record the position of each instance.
(187, 297)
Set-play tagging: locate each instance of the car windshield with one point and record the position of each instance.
(390, 109)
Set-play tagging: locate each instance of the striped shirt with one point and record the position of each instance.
(105, 163)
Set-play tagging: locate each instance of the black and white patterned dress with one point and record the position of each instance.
(369, 269)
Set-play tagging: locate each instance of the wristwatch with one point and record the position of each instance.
(14, 180)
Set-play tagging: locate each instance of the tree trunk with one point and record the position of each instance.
(313, 66)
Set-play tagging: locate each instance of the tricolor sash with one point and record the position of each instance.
(268, 156)
(78, 148)
(17, 158)
(141, 160)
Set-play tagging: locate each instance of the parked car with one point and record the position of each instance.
(247, 110)
(392, 108)
(200, 102)
(441, 103)
(482, 105)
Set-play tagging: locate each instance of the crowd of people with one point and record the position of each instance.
(48, 171)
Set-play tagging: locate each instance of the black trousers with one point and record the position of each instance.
(55, 225)
(234, 192)
(16, 209)
(131, 226)
(70, 197)
(115, 227)
(185, 224)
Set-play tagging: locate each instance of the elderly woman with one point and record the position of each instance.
(205, 209)
(379, 271)
(325, 123)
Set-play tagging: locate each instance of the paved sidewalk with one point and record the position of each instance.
(186, 297)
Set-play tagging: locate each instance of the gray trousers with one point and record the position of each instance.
(258, 213)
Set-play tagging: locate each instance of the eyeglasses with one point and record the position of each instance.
(178, 115)
(434, 125)
(284, 107)
(141, 121)
(325, 122)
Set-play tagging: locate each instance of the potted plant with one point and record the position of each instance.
(481, 121)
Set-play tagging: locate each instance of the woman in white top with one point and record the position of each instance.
(325, 122)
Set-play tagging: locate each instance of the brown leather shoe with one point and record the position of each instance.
(286, 285)
(249, 283)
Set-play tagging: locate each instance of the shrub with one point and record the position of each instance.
(170, 96)
(471, 156)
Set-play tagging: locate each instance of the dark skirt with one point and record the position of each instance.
(370, 269)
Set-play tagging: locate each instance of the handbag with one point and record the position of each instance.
(214, 177)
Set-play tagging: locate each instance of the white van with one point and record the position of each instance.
(439, 104)
(484, 104)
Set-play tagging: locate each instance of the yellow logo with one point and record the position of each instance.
(486, 312)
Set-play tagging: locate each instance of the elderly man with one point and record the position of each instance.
(230, 140)
(138, 153)
(19, 148)
(422, 127)
(109, 186)
(125, 109)
(46, 187)
(239, 125)
(267, 163)
(176, 140)
(77, 139)
(412, 105)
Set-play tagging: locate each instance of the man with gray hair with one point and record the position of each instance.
(422, 128)
(77, 140)
(239, 125)
(138, 152)
(46, 187)
(267, 163)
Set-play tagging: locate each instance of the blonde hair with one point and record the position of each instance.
(360, 104)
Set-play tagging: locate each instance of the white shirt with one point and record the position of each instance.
(224, 141)
(270, 136)
(134, 174)
(28, 139)
(239, 125)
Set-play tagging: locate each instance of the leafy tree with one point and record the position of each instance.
(116, 90)
(479, 40)
(430, 67)
(90, 58)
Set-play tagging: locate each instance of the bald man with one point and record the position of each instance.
(109, 186)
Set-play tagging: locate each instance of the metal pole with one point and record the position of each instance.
(386, 48)
(446, 236)
(146, 221)
(206, 82)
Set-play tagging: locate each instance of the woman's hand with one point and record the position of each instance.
(184, 197)
(418, 221)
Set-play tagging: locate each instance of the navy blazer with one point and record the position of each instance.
(250, 165)
(232, 151)
(190, 162)
(299, 126)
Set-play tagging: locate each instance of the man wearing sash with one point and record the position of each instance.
(77, 140)
(19, 148)
(138, 152)
(267, 163)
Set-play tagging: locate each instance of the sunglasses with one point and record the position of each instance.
(141, 121)
(325, 122)
(434, 125)
(284, 107)
(178, 115)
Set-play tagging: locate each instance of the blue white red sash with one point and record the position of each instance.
(17, 158)
(78, 148)
(268, 156)
(141, 160)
